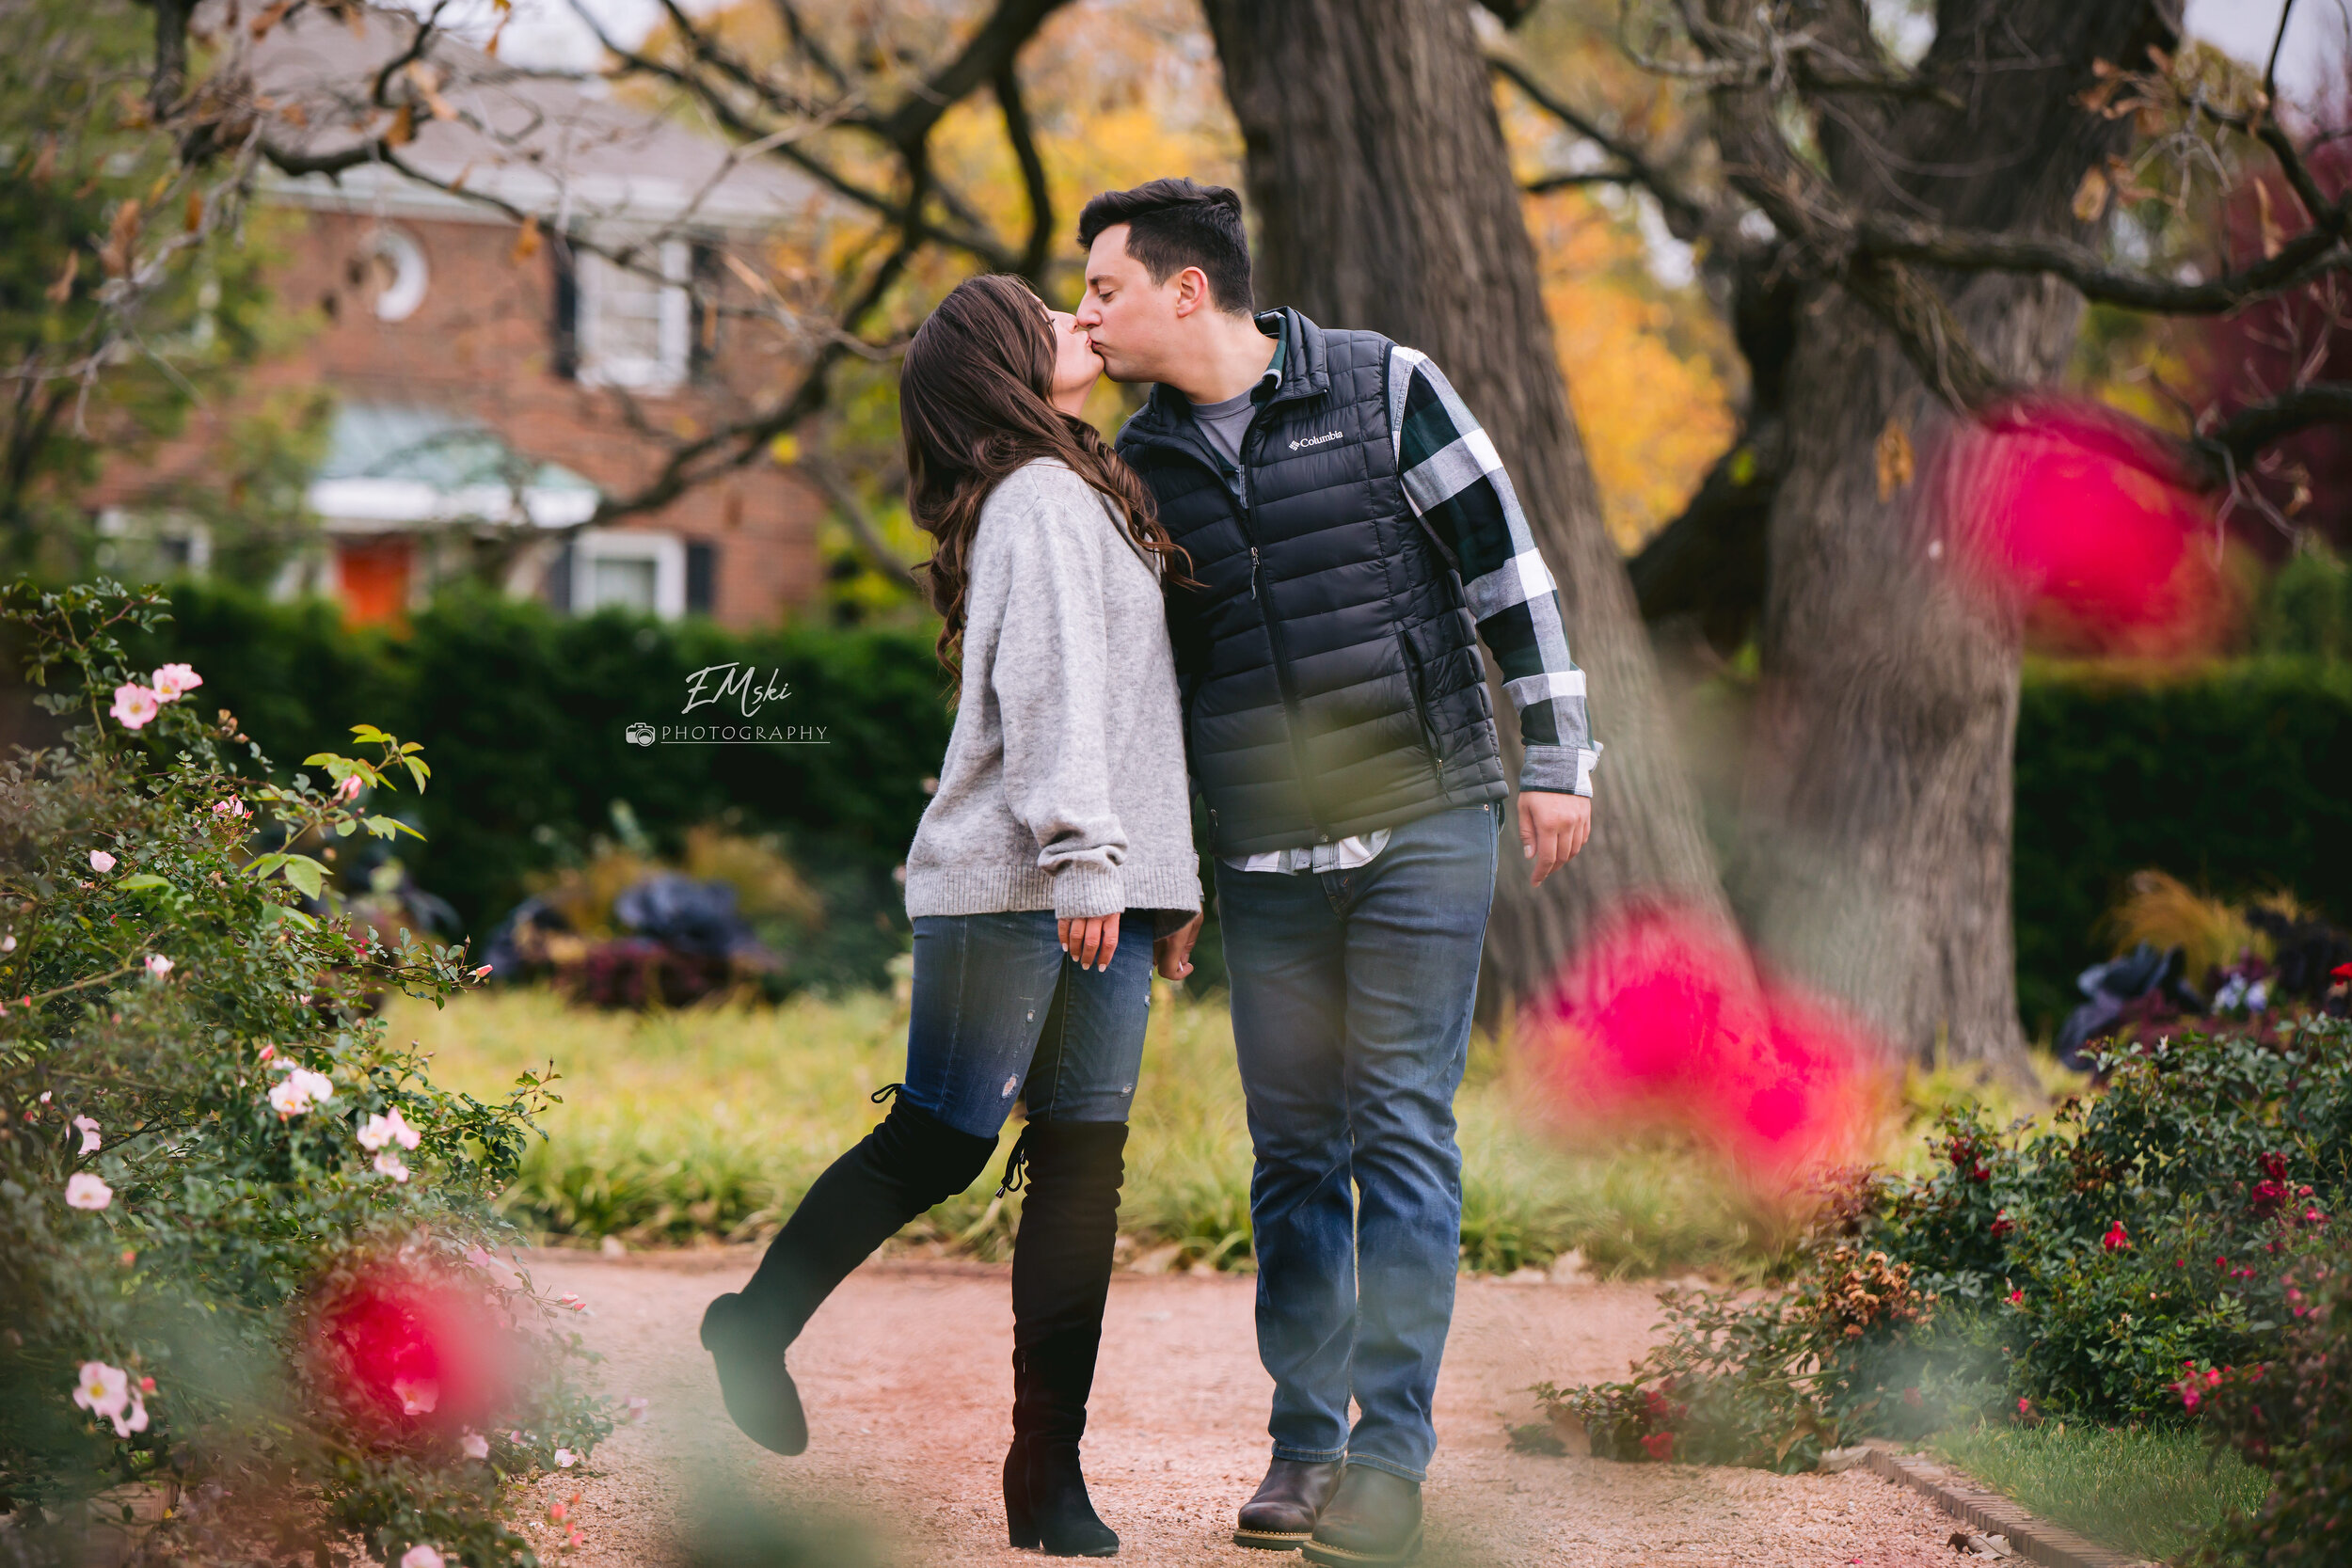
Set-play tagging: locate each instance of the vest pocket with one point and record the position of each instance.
(1416, 687)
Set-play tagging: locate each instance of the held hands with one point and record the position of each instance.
(1172, 953)
(1552, 828)
(1091, 941)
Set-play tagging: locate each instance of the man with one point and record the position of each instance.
(1353, 535)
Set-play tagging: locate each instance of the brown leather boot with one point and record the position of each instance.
(1374, 1518)
(1282, 1514)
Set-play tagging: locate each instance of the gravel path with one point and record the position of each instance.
(906, 1375)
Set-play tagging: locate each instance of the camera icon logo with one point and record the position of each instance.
(640, 734)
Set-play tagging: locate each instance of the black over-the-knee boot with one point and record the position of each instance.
(899, 1169)
(1061, 1272)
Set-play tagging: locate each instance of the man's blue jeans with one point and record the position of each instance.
(1352, 995)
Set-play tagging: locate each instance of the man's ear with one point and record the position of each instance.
(1192, 291)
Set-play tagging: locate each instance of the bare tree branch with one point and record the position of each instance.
(1008, 28)
(1006, 83)
(2278, 41)
(1931, 336)
(1686, 215)
(2246, 432)
(2318, 249)
(741, 443)
(851, 506)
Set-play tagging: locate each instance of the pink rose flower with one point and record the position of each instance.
(134, 706)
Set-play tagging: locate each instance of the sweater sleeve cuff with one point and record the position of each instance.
(1084, 888)
(1560, 769)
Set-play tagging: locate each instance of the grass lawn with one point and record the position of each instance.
(712, 1122)
(2149, 1491)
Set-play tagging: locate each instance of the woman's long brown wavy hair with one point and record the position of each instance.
(973, 402)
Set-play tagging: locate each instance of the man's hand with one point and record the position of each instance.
(1172, 953)
(1552, 828)
(1091, 941)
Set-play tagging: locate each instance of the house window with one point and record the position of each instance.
(635, 330)
(702, 577)
(164, 543)
(629, 569)
(624, 580)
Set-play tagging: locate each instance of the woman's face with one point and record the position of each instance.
(1076, 366)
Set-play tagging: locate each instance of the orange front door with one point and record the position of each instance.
(372, 575)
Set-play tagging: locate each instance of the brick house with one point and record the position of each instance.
(491, 380)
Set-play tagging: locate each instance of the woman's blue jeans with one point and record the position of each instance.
(1352, 998)
(1002, 1014)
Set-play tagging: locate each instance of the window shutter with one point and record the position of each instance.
(564, 345)
(706, 274)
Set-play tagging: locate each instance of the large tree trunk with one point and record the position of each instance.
(1875, 838)
(1384, 200)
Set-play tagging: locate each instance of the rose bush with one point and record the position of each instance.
(213, 1163)
(2097, 1268)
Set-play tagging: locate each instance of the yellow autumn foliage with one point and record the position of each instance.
(1652, 418)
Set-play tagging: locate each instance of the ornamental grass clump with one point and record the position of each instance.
(2125, 1263)
(243, 1238)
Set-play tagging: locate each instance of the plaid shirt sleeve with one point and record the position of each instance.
(1457, 484)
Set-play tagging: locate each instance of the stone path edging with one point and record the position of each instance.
(1988, 1513)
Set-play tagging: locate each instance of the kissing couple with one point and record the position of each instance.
(1270, 596)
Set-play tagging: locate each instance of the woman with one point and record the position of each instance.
(1062, 814)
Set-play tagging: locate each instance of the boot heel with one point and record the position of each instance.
(1020, 1521)
(1067, 1525)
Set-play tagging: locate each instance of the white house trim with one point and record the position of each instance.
(369, 506)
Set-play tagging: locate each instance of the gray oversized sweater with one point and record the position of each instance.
(1064, 785)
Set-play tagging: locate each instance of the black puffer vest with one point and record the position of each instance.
(1330, 670)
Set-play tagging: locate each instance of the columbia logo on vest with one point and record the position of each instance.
(1315, 440)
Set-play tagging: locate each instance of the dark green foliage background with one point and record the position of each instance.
(2238, 780)
(526, 711)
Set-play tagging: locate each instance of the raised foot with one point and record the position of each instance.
(759, 1393)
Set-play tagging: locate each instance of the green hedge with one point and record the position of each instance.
(523, 715)
(2237, 781)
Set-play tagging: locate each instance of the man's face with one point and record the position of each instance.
(1132, 321)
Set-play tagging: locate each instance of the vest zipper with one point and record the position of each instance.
(1282, 681)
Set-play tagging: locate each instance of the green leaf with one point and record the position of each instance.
(260, 868)
(368, 734)
(327, 760)
(348, 825)
(141, 881)
(305, 873)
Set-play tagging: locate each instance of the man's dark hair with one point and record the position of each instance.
(1175, 224)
